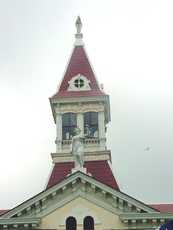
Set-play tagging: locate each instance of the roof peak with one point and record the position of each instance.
(78, 35)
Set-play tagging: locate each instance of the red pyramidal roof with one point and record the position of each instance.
(99, 170)
(79, 64)
(163, 207)
(3, 211)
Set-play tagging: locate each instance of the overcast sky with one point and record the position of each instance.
(130, 45)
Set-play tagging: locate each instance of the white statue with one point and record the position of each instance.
(78, 148)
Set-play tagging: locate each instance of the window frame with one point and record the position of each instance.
(67, 126)
(71, 223)
(91, 127)
(89, 221)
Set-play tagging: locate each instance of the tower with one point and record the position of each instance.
(80, 102)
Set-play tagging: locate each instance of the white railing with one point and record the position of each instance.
(92, 141)
(88, 141)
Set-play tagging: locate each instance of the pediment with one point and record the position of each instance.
(74, 186)
(80, 208)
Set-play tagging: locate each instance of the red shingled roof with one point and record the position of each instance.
(100, 170)
(163, 207)
(2, 211)
(79, 64)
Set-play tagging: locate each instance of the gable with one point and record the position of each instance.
(85, 191)
(80, 208)
(77, 184)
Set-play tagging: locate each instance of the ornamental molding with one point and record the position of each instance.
(152, 220)
(80, 193)
(73, 186)
(93, 156)
(79, 108)
(146, 216)
(25, 223)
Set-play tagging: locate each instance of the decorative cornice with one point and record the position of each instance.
(82, 108)
(146, 216)
(54, 102)
(103, 98)
(89, 156)
(19, 221)
(57, 191)
(153, 220)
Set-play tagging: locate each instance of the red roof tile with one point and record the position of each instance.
(163, 207)
(100, 170)
(79, 64)
(2, 211)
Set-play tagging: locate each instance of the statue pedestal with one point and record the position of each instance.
(81, 169)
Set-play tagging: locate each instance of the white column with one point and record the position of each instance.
(58, 132)
(80, 122)
(101, 124)
(101, 121)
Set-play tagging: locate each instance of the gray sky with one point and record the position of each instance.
(130, 46)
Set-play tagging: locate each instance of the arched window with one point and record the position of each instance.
(71, 223)
(91, 124)
(88, 223)
(69, 123)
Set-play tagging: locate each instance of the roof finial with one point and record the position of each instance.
(78, 25)
(78, 35)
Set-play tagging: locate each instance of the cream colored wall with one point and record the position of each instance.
(79, 208)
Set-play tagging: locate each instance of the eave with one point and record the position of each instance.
(38, 202)
(19, 222)
(67, 100)
(154, 218)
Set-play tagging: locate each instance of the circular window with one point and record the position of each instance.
(79, 83)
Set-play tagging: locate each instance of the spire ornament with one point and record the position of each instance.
(78, 25)
(78, 34)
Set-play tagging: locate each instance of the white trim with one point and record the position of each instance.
(23, 220)
(146, 216)
(68, 180)
(78, 42)
(89, 156)
(49, 174)
(62, 78)
(92, 68)
(74, 196)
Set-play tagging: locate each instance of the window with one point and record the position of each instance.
(88, 223)
(71, 223)
(69, 123)
(91, 124)
(79, 83)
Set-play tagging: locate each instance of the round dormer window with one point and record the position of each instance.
(79, 83)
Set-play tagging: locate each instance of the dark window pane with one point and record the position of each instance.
(88, 223)
(69, 123)
(94, 118)
(65, 119)
(91, 124)
(76, 83)
(71, 223)
(79, 83)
